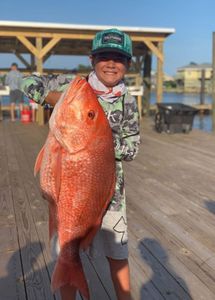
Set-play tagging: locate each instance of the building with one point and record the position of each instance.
(167, 80)
(194, 77)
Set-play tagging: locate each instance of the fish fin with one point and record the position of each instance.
(38, 161)
(70, 274)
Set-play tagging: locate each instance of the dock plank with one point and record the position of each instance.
(169, 250)
(40, 214)
(35, 273)
(156, 187)
(171, 216)
(12, 284)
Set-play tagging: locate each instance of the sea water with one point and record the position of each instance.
(202, 122)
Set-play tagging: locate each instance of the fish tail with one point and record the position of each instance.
(70, 274)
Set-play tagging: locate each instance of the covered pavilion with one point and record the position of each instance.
(42, 40)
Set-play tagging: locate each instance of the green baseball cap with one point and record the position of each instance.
(112, 40)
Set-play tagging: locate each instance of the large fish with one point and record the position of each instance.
(77, 177)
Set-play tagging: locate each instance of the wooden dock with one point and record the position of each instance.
(171, 217)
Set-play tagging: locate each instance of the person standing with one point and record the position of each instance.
(110, 58)
(13, 80)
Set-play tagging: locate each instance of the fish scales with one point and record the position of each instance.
(77, 177)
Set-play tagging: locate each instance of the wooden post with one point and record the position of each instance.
(213, 84)
(160, 75)
(32, 63)
(139, 97)
(202, 88)
(39, 65)
(147, 82)
(1, 115)
(39, 61)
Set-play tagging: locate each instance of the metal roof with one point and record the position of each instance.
(42, 40)
(83, 27)
(74, 39)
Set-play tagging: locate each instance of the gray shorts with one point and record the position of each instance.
(16, 96)
(111, 240)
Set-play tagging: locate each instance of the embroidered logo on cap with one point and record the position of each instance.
(113, 37)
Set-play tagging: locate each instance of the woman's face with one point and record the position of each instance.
(110, 67)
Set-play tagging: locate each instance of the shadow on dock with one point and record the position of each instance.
(210, 205)
(164, 282)
(24, 275)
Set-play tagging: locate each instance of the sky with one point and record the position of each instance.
(193, 21)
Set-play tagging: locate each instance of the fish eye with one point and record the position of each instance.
(91, 114)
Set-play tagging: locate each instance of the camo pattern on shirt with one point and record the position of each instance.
(121, 114)
(124, 121)
(37, 87)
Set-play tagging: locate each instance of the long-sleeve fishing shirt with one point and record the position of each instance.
(122, 115)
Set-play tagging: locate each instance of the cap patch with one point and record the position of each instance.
(112, 37)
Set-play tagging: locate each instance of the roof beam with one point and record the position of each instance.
(21, 58)
(49, 46)
(28, 45)
(38, 53)
(79, 36)
(154, 49)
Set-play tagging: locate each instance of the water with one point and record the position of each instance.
(202, 122)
